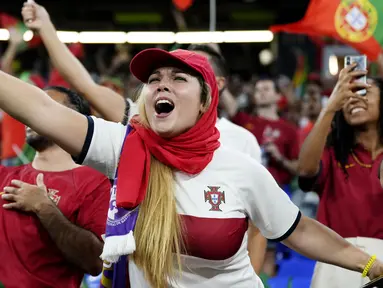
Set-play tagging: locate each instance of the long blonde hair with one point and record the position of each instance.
(158, 231)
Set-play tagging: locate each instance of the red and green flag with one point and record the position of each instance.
(358, 23)
(9, 22)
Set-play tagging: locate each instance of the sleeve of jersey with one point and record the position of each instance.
(317, 182)
(269, 207)
(94, 209)
(102, 146)
(253, 148)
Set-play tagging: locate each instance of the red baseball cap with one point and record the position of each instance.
(148, 60)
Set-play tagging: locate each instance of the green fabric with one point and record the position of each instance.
(378, 33)
(265, 280)
(294, 185)
(28, 152)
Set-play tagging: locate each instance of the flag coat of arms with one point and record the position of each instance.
(358, 23)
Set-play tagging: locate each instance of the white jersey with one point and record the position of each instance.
(214, 207)
(238, 138)
(133, 109)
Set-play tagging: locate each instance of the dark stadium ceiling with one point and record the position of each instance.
(156, 15)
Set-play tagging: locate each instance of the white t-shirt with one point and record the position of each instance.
(238, 138)
(214, 206)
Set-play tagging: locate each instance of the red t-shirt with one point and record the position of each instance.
(30, 259)
(13, 133)
(351, 206)
(280, 132)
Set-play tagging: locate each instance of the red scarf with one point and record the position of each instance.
(189, 152)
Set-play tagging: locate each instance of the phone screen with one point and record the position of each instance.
(361, 61)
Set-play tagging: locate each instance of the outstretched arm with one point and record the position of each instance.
(33, 107)
(108, 103)
(316, 241)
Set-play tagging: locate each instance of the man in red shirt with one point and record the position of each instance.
(51, 232)
(277, 137)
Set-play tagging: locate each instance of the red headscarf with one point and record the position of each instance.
(189, 152)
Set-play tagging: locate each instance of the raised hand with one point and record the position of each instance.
(34, 15)
(346, 88)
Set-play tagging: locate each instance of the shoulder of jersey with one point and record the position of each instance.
(233, 159)
(239, 129)
(89, 173)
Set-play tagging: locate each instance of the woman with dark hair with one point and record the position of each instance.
(340, 160)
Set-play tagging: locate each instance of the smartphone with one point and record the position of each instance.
(361, 61)
(376, 283)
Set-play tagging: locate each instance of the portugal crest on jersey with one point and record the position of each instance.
(214, 197)
(356, 20)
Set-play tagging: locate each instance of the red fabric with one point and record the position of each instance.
(351, 206)
(320, 20)
(282, 103)
(77, 50)
(33, 260)
(183, 5)
(189, 152)
(304, 132)
(37, 80)
(281, 133)
(13, 133)
(55, 79)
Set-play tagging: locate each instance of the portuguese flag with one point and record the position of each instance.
(358, 23)
(7, 21)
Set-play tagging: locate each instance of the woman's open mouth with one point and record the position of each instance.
(163, 107)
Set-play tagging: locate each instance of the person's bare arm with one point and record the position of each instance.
(33, 107)
(15, 39)
(256, 247)
(316, 241)
(108, 103)
(78, 245)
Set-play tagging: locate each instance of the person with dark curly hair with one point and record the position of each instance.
(340, 160)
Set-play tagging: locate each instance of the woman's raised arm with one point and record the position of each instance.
(33, 107)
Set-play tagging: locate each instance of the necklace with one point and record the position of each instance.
(359, 162)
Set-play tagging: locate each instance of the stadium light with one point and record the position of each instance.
(68, 36)
(248, 36)
(98, 37)
(150, 37)
(28, 35)
(165, 37)
(199, 37)
(4, 35)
